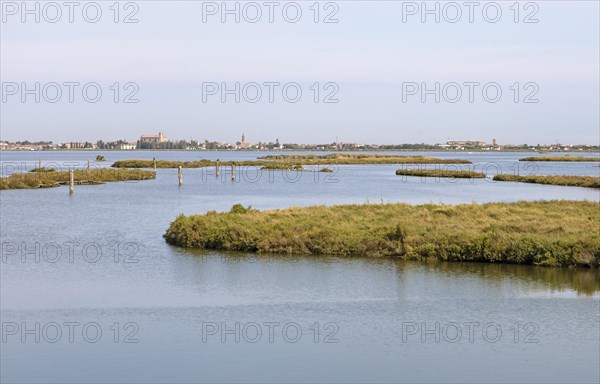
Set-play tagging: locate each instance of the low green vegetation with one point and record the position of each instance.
(326, 170)
(560, 158)
(361, 158)
(554, 233)
(571, 181)
(81, 177)
(203, 163)
(289, 161)
(446, 173)
(43, 169)
(283, 167)
(100, 158)
(161, 164)
(239, 208)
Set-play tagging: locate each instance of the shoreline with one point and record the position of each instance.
(547, 233)
(53, 179)
(441, 150)
(557, 180)
(290, 161)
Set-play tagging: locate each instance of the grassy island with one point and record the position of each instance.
(283, 167)
(204, 163)
(288, 161)
(81, 177)
(570, 181)
(361, 158)
(561, 158)
(161, 164)
(441, 173)
(555, 233)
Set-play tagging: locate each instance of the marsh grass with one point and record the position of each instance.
(556, 233)
(194, 164)
(55, 179)
(571, 181)
(283, 167)
(161, 164)
(353, 158)
(284, 162)
(445, 173)
(560, 158)
(43, 169)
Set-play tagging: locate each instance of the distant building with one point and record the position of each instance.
(243, 143)
(74, 145)
(127, 146)
(466, 143)
(494, 142)
(154, 139)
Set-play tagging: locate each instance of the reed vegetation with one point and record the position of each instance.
(571, 181)
(560, 158)
(553, 233)
(56, 178)
(442, 173)
(288, 161)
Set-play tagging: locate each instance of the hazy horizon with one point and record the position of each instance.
(368, 56)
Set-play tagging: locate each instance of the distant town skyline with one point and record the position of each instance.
(149, 141)
(161, 137)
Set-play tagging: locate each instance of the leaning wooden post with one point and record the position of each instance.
(40, 166)
(232, 171)
(180, 174)
(71, 183)
(217, 166)
(88, 167)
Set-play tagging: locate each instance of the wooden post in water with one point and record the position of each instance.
(154, 158)
(180, 175)
(71, 183)
(40, 166)
(217, 166)
(232, 171)
(88, 167)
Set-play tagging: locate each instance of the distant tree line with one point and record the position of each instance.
(27, 142)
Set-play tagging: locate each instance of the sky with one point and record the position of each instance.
(371, 74)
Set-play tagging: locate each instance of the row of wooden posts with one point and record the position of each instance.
(179, 174)
(217, 171)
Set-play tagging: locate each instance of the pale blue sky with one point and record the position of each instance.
(369, 54)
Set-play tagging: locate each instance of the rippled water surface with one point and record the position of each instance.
(139, 310)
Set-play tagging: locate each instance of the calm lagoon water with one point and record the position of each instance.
(110, 301)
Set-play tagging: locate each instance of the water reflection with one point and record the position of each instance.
(583, 281)
(524, 279)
